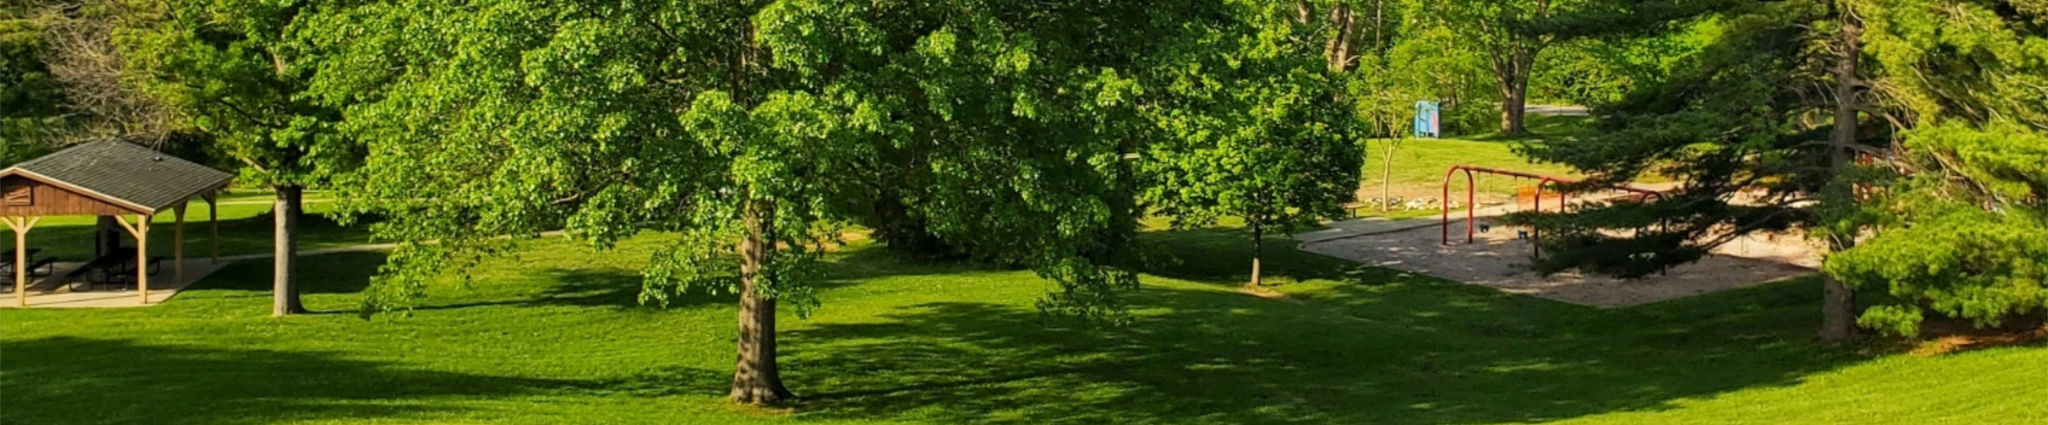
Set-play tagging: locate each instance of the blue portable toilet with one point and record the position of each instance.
(1426, 114)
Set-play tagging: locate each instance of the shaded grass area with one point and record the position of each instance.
(246, 227)
(556, 335)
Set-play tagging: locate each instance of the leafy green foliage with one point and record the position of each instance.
(1964, 218)
(536, 116)
(240, 70)
(1946, 212)
(1514, 34)
(30, 102)
(1253, 127)
(1603, 70)
(1734, 118)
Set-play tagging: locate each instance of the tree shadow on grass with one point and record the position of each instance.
(1541, 128)
(873, 260)
(252, 235)
(1223, 256)
(611, 287)
(93, 381)
(621, 287)
(1405, 350)
(336, 273)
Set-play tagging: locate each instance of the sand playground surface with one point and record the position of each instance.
(1498, 259)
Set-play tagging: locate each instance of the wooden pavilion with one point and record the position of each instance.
(107, 178)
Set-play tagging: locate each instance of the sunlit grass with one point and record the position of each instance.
(556, 335)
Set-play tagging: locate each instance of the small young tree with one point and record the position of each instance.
(1252, 127)
(1387, 116)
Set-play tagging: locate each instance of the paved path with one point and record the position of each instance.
(1559, 110)
(268, 202)
(371, 247)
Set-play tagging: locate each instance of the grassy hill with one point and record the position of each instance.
(1420, 164)
(555, 335)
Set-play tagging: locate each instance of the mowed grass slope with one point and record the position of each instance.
(1420, 164)
(246, 227)
(556, 335)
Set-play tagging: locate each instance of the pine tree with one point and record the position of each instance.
(1903, 135)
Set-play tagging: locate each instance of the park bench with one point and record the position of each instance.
(37, 268)
(1351, 208)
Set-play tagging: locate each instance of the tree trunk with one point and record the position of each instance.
(1387, 176)
(1379, 28)
(108, 237)
(1511, 68)
(1838, 309)
(1514, 105)
(1338, 50)
(1258, 248)
(285, 249)
(756, 379)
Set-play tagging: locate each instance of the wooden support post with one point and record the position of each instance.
(21, 225)
(178, 244)
(142, 256)
(213, 218)
(20, 258)
(140, 228)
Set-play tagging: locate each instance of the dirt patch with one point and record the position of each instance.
(1266, 293)
(1499, 259)
(1953, 337)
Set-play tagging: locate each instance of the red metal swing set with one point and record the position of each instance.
(1471, 196)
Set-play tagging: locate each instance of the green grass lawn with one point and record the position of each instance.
(1420, 164)
(555, 336)
(245, 228)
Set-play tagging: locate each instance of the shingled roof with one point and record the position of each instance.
(124, 173)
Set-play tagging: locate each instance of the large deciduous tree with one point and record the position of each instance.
(747, 133)
(1512, 33)
(1252, 126)
(241, 69)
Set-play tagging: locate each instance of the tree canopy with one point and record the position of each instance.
(763, 130)
(1253, 125)
(1942, 207)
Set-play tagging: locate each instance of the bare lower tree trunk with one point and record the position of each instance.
(1838, 308)
(1338, 50)
(108, 238)
(1258, 248)
(1387, 175)
(284, 291)
(1514, 106)
(756, 379)
(1511, 69)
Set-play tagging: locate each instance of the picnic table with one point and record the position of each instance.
(116, 269)
(36, 267)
